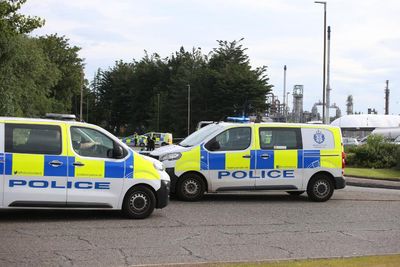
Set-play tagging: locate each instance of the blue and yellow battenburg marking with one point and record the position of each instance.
(39, 165)
(200, 159)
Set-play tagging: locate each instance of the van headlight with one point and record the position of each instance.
(158, 166)
(171, 156)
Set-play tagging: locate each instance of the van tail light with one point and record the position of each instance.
(343, 160)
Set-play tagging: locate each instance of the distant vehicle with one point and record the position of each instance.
(389, 134)
(348, 141)
(162, 139)
(397, 140)
(363, 140)
(130, 140)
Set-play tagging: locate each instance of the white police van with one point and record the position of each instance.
(222, 157)
(68, 164)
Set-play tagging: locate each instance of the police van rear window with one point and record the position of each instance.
(280, 138)
(33, 139)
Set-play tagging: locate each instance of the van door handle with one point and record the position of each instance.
(78, 164)
(265, 156)
(55, 163)
(247, 156)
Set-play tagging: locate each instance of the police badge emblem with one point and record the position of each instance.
(319, 137)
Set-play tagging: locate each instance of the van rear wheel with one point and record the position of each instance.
(320, 188)
(190, 187)
(139, 202)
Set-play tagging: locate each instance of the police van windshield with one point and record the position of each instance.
(199, 136)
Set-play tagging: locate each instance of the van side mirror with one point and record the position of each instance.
(116, 153)
(213, 145)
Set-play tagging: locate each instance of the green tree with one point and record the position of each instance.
(11, 22)
(237, 89)
(152, 94)
(26, 78)
(66, 59)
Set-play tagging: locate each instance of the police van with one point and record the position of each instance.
(67, 164)
(256, 156)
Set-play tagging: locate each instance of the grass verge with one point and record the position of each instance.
(367, 261)
(373, 173)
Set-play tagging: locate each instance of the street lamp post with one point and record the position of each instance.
(324, 60)
(284, 93)
(158, 111)
(81, 102)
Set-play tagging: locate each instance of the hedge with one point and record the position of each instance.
(376, 153)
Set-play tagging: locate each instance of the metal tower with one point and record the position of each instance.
(349, 105)
(298, 103)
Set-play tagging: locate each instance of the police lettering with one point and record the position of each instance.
(59, 184)
(261, 174)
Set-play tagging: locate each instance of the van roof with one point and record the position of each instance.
(3, 119)
(279, 124)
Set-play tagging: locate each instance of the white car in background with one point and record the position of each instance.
(348, 141)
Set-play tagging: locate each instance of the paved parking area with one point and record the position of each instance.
(223, 227)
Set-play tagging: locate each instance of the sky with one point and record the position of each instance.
(365, 39)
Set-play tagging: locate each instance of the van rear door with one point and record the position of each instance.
(35, 167)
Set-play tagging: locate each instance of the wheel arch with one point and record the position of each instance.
(136, 185)
(197, 173)
(326, 173)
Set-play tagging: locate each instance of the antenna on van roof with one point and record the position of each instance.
(62, 117)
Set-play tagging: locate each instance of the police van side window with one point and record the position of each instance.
(33, 139)
(91, 143)
(238, 138)
(280, 138)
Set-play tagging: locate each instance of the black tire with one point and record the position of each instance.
(320, 188)
(295, 193)
(139, 202)
(190, 187)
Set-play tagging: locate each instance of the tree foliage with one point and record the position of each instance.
(11, 22)
(152, 94)
(37, 75)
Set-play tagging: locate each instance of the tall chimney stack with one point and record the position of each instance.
(387, 98)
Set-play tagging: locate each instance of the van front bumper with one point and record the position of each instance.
(163, 194)
(173, 177)
(340, 182)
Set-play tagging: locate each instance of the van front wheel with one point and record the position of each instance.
(190, 187)
(320, 188)
(139, 202)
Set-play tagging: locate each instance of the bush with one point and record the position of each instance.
(376, 153)
(397, 157)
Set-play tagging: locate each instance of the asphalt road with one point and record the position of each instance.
(229, 227)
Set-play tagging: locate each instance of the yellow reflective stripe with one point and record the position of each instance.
(331, 158)
(144, 169)
(92, 169)
(235, 160)
(28, 165)
(190, 160)
(256, 134)
(285, 159)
